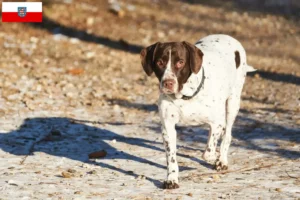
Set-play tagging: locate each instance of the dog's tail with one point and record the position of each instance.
(250, 68)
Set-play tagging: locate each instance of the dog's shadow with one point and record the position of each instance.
(73, 139)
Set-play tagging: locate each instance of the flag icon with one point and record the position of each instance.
(22, 12)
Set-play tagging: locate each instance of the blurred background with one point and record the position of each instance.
(82, 63)
(86, 53)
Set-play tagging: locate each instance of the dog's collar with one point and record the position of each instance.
(184, 97)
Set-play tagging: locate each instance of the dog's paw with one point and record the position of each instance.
(170, 185)
(210, 157)
(219, 166)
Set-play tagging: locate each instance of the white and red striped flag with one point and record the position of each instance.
(22, 12)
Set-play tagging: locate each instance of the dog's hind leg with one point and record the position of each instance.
(217, 128)
(232, 109)
(215, 132)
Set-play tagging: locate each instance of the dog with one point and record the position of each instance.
(199, 83)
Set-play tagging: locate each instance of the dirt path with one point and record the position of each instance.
(74, 85)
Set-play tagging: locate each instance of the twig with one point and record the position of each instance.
(50, 183)
(244, 169)
(31, 149)
(99, 122)
(291, 175)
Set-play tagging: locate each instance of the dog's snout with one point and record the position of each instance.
(169, 84)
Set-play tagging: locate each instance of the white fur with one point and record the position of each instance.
(217, 103)
(168, 74)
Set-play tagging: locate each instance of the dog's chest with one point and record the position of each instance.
(198, 111)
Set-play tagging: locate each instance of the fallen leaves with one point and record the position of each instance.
(277, 189)
(216, 177)
(141, 177)
(98, 154)
(92, 172)
(12, 182)
(75, 71)
(190, 194)
(116, 9)
(66, 175)
(71, 171)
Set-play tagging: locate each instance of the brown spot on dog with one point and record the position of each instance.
(237, 59)
(172, 160)
(167, 146)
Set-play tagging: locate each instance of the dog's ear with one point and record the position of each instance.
(147, 58)
(195, 57)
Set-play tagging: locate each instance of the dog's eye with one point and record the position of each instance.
(180, 63)
(160, 63)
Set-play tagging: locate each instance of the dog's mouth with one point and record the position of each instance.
(164, 90)
(167, 91)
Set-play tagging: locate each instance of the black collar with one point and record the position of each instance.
(198, 89)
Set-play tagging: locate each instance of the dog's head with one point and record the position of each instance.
(172, 63)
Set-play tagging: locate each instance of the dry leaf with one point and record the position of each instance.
(75, 71)
(189, 194)
(66, 175)
(98, 154)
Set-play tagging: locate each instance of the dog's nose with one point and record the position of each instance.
(169, 84)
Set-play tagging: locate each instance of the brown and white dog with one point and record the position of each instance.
(199, 83)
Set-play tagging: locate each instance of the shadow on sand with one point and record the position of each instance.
(70, 138)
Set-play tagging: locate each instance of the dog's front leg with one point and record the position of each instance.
(169, 117)
(169, 138)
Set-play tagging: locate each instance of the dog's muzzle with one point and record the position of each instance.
(168, 86)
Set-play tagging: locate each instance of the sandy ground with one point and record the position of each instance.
(74, 85)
